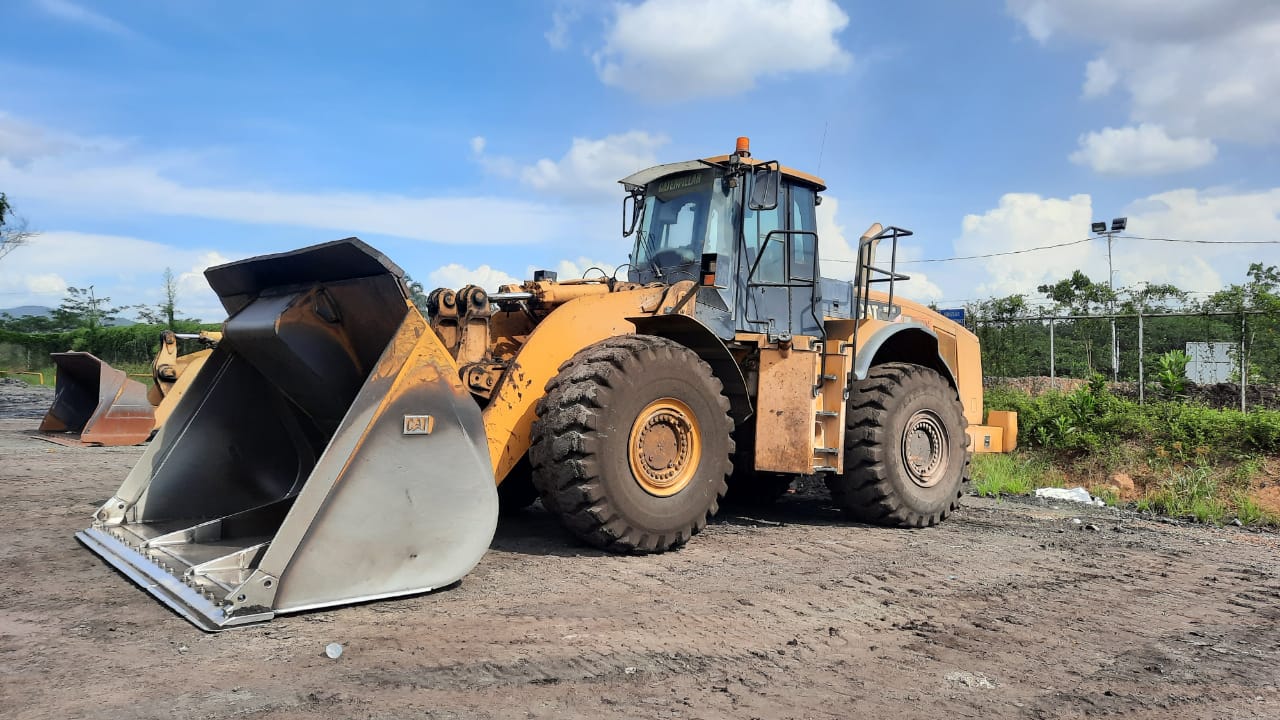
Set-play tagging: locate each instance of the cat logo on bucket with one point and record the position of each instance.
(418, 424)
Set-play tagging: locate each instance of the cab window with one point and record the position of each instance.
(803, 247)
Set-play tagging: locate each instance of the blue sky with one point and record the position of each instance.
(475, 141)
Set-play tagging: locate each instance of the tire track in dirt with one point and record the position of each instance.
(1007, 610)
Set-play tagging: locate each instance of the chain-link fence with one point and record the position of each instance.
(1167, 354)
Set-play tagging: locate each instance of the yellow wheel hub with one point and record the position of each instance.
(664, 447)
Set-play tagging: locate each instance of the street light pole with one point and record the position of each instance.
(1111, 285)
(1100, 229)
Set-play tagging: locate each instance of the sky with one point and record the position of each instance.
(476, 142)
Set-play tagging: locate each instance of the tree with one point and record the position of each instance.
(1014, 343)
(1261, 295)
(1078, 295)
(81, 308)
(165, 313)
(14, 232)
(417, 293)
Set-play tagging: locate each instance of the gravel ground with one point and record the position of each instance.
(19, 399)
(1008, 610)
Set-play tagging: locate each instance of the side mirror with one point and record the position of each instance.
(764, 187)
(631, 210)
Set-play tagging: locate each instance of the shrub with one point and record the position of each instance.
(1091, 418)
(1171, 373)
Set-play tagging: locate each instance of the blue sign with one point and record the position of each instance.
(956, 314)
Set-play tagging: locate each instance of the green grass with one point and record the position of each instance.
(1250, 513)
(1189, 461)
(1108, 495)
(1009, 474)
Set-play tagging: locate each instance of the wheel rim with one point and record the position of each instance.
(924, 448)
(664, 447)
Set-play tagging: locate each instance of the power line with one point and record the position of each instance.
(1069, 244)
(977, 257)
(997, 254)
(1201, 242)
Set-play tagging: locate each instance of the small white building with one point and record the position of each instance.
(1211, 362)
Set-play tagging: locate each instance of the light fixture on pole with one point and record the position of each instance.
(1100, 229)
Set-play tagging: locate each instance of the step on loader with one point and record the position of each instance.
(338, 446)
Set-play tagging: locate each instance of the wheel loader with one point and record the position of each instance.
(339, 446)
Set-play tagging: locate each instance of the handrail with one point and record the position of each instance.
(866, 274)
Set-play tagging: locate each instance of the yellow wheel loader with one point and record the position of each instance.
(338, 446)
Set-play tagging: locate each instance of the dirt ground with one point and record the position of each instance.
(1008, 610)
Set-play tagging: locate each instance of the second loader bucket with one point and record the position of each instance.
(96, 404)
(326, 453)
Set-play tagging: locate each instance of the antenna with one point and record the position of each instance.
(822, 146)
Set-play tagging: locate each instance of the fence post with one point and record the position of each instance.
(1142, 391)
(1244, 381)
(1052, 374)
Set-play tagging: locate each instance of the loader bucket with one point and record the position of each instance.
(326, 453)
(96, 404)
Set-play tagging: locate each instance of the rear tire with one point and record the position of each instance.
(906, 453)
(632, 444)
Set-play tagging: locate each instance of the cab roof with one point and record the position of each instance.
(648, 175)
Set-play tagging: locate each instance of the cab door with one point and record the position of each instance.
(779, 265)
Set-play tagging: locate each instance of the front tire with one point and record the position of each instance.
(906, 455)
(632, 444)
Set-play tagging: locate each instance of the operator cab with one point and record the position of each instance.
(680, 217)
(744, 230)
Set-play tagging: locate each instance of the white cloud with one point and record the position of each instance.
(1099, 78)
(96, 176)
(680, 49)
(838, 255)
(128, 270)
(456, 276)
(589, 170)
(573, 269)
(1203, 68)
(46, 284)
(477, 144)
(22, 142)
(1024, 221)
(591, 167)
(1142, 150)
(79, 15)
(561, 20)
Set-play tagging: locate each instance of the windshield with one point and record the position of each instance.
(678, 211)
